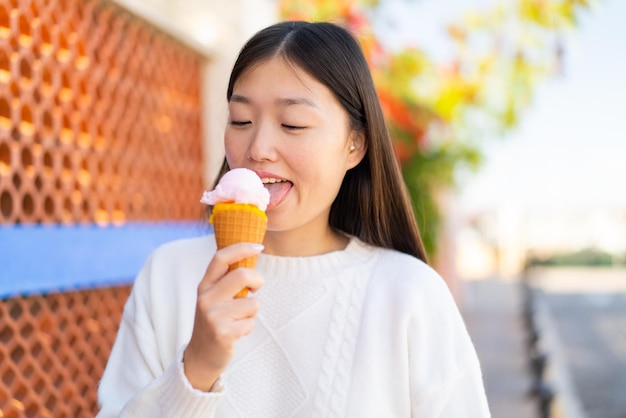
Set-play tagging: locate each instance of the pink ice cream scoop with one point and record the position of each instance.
(239, 185)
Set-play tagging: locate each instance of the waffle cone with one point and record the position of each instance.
(233, 223)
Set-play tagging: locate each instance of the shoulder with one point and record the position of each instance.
(173, 271)
(412, 296)
(405, 274)
(185, 248)
(407, 288)
(162, 300)
(398, 263)
(177, 261)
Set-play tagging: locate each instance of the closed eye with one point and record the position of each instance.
(292, 127)
(239, 123)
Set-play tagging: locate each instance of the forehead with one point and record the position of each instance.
(279, 77)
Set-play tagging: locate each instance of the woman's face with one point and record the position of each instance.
(291, 130)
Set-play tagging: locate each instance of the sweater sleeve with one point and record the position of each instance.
(462, 396)
(445, 376)
(137, 381)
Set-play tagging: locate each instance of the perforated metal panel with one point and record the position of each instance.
(53, 350)
(99, 122)
(99, 116)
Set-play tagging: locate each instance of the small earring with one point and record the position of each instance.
(352, 147)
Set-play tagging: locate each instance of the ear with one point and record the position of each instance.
(357, 147)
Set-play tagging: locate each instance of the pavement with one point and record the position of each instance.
(492, 309)
(581, 318)
(587, 311)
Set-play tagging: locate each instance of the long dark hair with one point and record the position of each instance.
(372, 202)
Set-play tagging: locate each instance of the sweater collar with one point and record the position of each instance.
(355, 253)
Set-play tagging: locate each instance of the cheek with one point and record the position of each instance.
(309, 163)
(324, 175)
(322, 165)
(235, 154)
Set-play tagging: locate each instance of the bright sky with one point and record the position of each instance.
(569, 152)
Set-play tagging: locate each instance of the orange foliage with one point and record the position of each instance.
(436, 110)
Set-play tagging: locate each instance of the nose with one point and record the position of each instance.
(262, 146)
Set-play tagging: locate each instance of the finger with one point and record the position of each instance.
(243, 327)
(229, 334)
(226, 256)
(244, 308)
(221, 319)
(236, 280)
(235, 310)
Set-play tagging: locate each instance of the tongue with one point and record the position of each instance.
(278, 191)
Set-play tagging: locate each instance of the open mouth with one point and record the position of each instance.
(278, 189)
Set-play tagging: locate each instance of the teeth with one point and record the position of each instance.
(267, 180)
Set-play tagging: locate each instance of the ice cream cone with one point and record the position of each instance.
(238, 222)
(239, 201)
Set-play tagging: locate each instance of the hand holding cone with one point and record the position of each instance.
(239, 201)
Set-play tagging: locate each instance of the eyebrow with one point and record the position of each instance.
(236, 98)
(297, 101)
(239, 99)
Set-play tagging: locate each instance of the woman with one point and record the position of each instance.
(346, 319)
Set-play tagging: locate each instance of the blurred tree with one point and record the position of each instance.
(438, 112)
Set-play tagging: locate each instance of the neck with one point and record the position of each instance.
(304, 243)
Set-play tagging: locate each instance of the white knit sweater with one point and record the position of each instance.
(363, 332)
